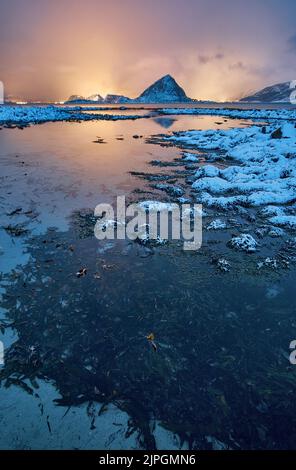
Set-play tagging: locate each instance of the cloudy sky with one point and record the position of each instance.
(216, 49)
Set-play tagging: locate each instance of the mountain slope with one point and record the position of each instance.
(279, 93)
(109, 99)
(164, 90)
(116, 99)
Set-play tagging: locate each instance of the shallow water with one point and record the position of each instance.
(220, 376)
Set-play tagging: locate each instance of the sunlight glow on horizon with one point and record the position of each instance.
(52, 50)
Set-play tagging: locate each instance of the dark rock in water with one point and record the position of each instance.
(153, 176)
(164, 90)
(277, 134)
(99, 141)
(171, 190)
(16, 230)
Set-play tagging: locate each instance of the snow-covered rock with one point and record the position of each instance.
(207, 170)
(223, 265)
(244, 242)
(288, 221)
(156, 206)
(217, 224)
(268, 263)
(263, 173)
(190, 157)
(276, 232)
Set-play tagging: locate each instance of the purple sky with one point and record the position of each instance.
(215, 49)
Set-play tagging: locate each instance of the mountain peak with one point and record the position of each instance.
(164, 90)
(167, 77)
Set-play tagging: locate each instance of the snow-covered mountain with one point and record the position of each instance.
(116, 99)
(164, 90)
(96, 98)
(109, 99)
(278, 93)
(81, 99)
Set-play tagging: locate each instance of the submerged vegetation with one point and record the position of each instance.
(197, 341)
(215, 367)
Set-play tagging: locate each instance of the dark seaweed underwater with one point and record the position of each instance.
(221, 368)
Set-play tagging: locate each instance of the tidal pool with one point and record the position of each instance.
(77, 348)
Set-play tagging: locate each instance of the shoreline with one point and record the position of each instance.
(23, 115)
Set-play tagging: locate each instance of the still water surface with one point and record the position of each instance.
(220, 377)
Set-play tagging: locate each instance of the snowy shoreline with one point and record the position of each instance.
(24, 115)
(262, 170)
(245, 178)
(282, 114)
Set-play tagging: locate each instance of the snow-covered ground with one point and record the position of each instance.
(38, 114)
(261, 170)
(286, 114)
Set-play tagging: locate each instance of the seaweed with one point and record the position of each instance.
(16, 230)
(217, 369)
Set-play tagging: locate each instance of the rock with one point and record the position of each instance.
(244, 242)
(171, 190)
(268, 263)
(277, 134)
(16, 230)
(216, 224)
(261, 232)
(223, 265)
(276, 232)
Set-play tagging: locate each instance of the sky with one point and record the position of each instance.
(215, 49)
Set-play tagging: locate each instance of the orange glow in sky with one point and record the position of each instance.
(216, 50)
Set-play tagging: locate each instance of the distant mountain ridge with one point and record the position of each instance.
(278, 93)
(164, 90)
(77, 99)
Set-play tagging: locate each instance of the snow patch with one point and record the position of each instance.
(216, 224)
(245, 242)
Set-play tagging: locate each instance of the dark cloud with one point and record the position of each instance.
(237, 66)
(205, 59)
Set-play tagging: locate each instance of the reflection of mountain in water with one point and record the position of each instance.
(165, 122)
